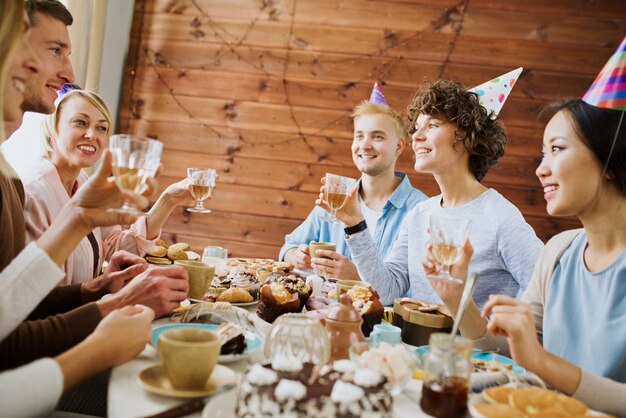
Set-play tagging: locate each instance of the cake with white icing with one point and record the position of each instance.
(288, 388)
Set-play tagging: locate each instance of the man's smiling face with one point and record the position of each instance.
(51, 42)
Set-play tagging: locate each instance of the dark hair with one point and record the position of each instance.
(597, 128)
(52, 8)
(484, 138)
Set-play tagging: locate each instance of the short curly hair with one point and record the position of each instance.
(484, 139)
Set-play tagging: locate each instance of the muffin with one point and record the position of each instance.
(367, 302)
(280, 295)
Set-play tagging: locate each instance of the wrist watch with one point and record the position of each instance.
(351, 230)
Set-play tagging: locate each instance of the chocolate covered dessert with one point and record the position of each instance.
(290, 388)
(282, 294)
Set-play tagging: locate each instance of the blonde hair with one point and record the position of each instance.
(11, 32)
(51, 123)
(368, 108)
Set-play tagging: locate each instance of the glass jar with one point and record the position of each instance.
(298, 336)
(447, 368)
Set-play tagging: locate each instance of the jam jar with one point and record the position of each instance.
(447, 368)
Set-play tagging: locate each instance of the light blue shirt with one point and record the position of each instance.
(401, 201)
(584, 318)
(506, 249)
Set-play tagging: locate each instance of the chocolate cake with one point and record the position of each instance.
(287, 388)
(232, 339)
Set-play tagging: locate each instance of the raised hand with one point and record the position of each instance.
(90, 203)
(350, 214)
(449, 291)
(179, 194)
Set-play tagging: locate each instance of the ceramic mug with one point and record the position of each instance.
(189, 356)
(200, 277)
(314, 246)
(388, 333)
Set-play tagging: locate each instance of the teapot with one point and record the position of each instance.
(343, 325)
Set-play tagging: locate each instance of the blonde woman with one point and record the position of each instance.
(77, 133)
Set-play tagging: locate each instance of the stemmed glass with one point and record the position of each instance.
(338, 190)
(135, 160)
(202, 181)
(448, 236)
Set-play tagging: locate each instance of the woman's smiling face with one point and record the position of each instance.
(435, 145)
(569, 172)
(83, 133)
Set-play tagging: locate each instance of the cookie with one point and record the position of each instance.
(178, 251)
(158, 251)
(161, 243)
(158, 260)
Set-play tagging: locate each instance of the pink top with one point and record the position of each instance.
(45, 196)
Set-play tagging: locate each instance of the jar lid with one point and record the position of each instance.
(344, 311)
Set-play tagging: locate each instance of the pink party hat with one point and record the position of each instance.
(377, 96)
(494, 93)
(609, 88)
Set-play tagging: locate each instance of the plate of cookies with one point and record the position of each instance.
(164, 254)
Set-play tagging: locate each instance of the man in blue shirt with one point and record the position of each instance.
(385, 195)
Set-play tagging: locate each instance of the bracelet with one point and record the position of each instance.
(351, 230)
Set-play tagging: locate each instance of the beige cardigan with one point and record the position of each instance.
(596, 391)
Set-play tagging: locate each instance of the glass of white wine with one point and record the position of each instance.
(201, 183)
(447, 235)
(338, 190)
(135, 160)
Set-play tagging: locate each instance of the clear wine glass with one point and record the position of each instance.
(338, 190)
(201, 183)
(447, 235)
(135, 160)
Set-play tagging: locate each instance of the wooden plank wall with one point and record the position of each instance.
(262, 90)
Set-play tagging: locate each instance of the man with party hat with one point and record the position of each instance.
(457, 140)
(385, 196)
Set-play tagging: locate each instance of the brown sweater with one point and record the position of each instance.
(61, 322)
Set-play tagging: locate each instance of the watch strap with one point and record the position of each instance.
(351, 230)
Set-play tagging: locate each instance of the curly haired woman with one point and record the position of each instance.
(456, 140)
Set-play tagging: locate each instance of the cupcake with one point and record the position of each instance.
(280, 295)
(367, 302)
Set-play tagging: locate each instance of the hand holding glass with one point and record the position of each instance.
(135, 160)
(201, 182)
(337, 193)
(448, 236)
